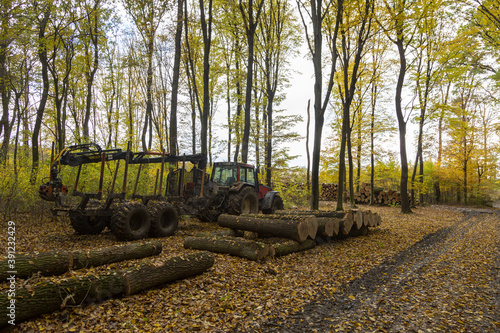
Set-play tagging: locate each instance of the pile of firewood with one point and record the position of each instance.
(329, 191)
(388, 197)
(380, 196)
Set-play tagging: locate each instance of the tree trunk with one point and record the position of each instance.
(235, 246)
(46, 297)
(207, 43)
(405, 202)
(250, 28)
(42, 55)
(59, 262)
(295, 229)
(175, 80)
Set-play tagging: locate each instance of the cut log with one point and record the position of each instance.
(297, 214)
(312, 226)
(358, 219)
(59, 262)
(295, 229)
(293, 246)
(348, 223)
(367, 219)
(156, 273)
(328, 226)
(222, 232)
(108, 255)
(45, 297)
(235, 246)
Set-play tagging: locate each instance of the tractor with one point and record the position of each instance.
(232, 188)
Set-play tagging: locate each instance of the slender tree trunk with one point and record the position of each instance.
(42, 55)
(308, 180)
(207, 43)
(149, 103)
(250, 28)
(175, 79)
(5, 129)
(90, 74)
(405, 202)
(372, 142)
(238, 110)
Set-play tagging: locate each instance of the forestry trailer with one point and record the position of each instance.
(232, 188)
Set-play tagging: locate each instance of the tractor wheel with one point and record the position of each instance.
(87, 225)
(243, 202)
(130, 221)
(276, 205)
(164, 219)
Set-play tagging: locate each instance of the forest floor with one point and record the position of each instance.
(437, 269)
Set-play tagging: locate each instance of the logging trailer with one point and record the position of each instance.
(232, 188)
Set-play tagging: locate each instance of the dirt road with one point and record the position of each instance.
(449, 282)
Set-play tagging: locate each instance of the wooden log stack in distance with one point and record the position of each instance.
(329, 192)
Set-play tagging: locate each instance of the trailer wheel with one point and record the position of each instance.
(86, 225)
(276, 205)
(243, 202)
(130, 221)
(164, 219)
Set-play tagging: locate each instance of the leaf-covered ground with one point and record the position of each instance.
(435, 269)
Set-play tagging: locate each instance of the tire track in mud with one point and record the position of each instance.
(404, 294)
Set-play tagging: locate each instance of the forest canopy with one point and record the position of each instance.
(211, 76)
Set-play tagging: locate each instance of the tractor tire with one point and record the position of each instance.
(164, 219)
(243, 202)
(87, 225)
(130, 221)
(276, 205)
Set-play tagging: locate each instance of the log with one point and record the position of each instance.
(223, 232)
(295, 229)
(45, 297)
(297, 214)
(108, 255)
(348, 223)
(312, 227)
(293, 246)
(235, 246)
(328, 226)
(52, 263)
(160, 272)
(367, 219)
(358, 219)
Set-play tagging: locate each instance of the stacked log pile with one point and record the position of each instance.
(388, 197)
(302, 229)
(381, 196)
(329, 191)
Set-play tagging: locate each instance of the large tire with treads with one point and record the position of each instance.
(86, 225)
(164, 219)
(276, 205)
(130, 221)
(243, 202)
